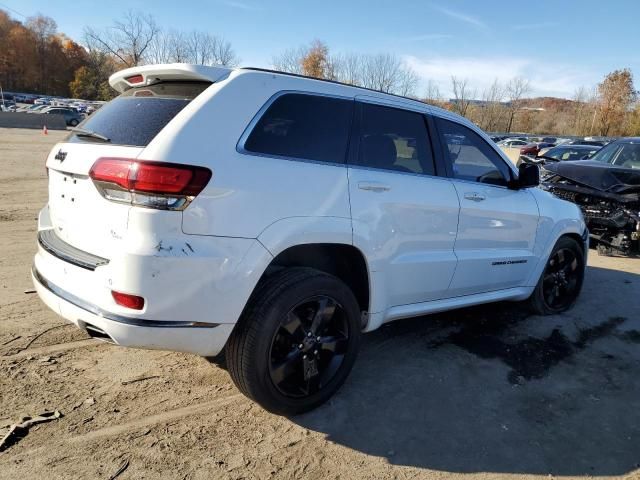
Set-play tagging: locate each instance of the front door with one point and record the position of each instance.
(497, 226)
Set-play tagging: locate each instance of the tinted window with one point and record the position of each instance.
(138, 115)
(621, 154)
(394, 139)
(470, 156)
(303, 126)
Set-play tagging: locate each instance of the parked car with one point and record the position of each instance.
(71, 115)
(532, 149)
(568, 153)
(36, 108)
(312, 212)
(8, 105)
(598, 143)
(512, 142)
(607, 189)
(42, 101)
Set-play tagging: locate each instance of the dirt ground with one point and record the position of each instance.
(486, 392)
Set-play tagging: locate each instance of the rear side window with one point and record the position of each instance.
(394, 139)
(137, 115)
(303, 126)
(471, 157)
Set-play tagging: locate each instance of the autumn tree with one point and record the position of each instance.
(615, 95)
(315, 62)
(383, 72)
(91, 81)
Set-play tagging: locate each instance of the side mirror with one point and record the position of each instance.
(528, 175)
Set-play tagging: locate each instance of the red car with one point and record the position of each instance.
(533, 148)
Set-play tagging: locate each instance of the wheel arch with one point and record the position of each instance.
(341, 260)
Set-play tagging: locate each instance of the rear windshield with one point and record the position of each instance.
(136, 116)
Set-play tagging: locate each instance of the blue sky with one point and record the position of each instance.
(558, 45)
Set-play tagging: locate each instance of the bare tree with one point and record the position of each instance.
(127, 39)
(432, 94)
(383, 72)
(200, 48)
(516, 89)
(290, 60)
(461, 95)
(347, 68)
(492, 108)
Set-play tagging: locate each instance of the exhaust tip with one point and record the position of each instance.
(96, 332)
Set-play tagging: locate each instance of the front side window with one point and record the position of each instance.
(470, 156)
(394, 139)
(303, 126)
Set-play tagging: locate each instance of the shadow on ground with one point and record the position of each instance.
(492, 389)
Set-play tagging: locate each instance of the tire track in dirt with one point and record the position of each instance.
(59, 347)
(158, 418)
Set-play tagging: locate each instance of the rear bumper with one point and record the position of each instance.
(206, 339)
(195, 287)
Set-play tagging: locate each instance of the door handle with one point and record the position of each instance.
(374, 186)
(474, 196)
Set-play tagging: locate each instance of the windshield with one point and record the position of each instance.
(625, 155)
(564, 153)
(136, 116)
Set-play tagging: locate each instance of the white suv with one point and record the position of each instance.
(272, 218)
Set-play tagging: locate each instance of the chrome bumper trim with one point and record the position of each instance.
(136, 322)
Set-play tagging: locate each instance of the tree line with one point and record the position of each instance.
(36, 58)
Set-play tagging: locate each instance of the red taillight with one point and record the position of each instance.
(130, 301)
(135, 79)
(155, 180)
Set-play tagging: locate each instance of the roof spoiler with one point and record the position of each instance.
(149, 74)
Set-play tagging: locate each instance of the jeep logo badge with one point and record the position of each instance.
(61, 155)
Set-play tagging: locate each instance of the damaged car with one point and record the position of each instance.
(607, 189)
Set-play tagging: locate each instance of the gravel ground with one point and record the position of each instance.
(487, 392)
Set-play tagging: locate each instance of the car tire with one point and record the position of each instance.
(74, 123)
(561, 280)
(296, 341)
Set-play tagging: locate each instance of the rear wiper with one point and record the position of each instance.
(81, 132)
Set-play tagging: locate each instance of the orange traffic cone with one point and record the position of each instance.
(44, 130)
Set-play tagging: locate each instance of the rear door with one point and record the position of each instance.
(122, 128)
(497, 226)
(404, 217)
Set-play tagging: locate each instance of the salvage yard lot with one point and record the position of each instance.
(488, 391)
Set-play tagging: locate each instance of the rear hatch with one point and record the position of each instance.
(80, 214)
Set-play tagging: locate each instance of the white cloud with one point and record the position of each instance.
(546, 79)
(476, 22)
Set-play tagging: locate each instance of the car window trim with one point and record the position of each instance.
(240, 145)
(447, 163)
(356, 134)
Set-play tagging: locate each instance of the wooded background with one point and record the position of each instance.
(36, 58)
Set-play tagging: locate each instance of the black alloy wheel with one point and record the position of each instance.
(296, 341)
(309, 346)
(561, 281)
